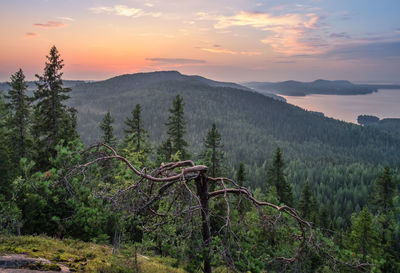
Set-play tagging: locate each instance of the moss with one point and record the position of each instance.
(85, 257)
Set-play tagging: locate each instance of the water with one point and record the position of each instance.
(384, 104)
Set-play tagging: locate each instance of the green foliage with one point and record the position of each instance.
(363, 236)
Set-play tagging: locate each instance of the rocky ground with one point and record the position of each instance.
(19, 263)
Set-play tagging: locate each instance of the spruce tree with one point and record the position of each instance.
(385, 191)
(213, 154)
(19, 104)
(276, 178)
(241, 175)
(306, 202)
(176, 128)
(108, 130)
(6, 166)
(136, 135)
(53, 120)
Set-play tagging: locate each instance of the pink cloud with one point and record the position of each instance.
(31, 34)
(50, 24)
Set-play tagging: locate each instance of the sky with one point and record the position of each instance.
(227, 40)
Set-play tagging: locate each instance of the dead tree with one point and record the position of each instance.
(190, 182)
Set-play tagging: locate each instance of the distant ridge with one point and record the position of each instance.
(324, 87)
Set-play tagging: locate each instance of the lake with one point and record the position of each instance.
(384, 104)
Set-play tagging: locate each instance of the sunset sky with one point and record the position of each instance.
(231, 40)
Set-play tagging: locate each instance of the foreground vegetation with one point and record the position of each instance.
(87, 257)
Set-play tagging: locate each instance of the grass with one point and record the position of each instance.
(85, 257)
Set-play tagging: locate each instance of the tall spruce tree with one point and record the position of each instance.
(136, 136)
(108, 130)
(19, 104)
(53, 120)
(6, 166)
(176, 128)
(276, 178)
(213, 154)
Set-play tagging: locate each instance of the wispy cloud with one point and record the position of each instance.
(31, 34)
(122, 10)
(50, 24)
(232, 52)
(176, 60)
(366, 50)
(66, 18)
(258, 20)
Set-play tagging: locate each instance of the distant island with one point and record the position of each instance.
(388, 125)
(323, 87)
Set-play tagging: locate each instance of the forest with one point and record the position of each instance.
(214, 175)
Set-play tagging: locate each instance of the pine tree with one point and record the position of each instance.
(136, 135)
(108, 130)
(19, 104)
(276, 178)
(53, 120)
(364, 234)
(213, 154)
(176, 128)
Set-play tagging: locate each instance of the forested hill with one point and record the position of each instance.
(325, 87)
(252, 125)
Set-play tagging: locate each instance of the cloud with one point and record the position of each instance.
(122, 10)
(265, 21)
(362, 50)
(176, 61)
(341, 35)
(31, 34)
(50, 24)
(232, 52)
(289, 34)
(66, 18)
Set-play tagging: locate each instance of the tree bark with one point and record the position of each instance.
(202, 193)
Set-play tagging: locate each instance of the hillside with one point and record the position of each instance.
(248, 120)
(324, 87)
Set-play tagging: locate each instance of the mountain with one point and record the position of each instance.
(338, 87)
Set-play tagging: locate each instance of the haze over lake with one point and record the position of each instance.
(384, 104)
